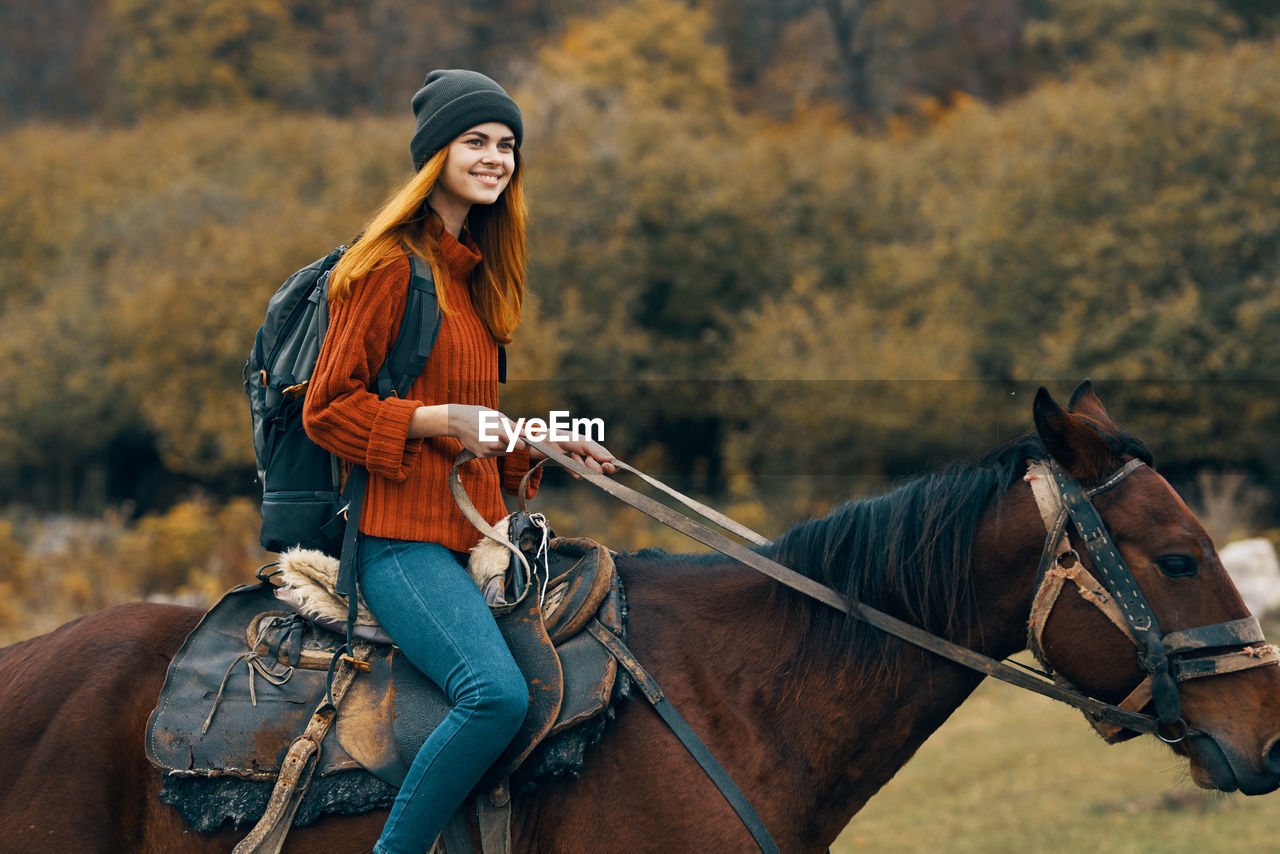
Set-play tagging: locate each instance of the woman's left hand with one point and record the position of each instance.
(591, 454)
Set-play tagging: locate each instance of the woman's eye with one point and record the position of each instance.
(507, 146)
(1178, 566)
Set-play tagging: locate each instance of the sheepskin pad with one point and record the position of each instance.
(308, 579)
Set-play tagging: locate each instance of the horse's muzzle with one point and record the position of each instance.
(1218, 766)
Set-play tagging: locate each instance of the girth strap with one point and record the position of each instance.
(649, 688)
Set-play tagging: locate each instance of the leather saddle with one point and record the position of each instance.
(249, 677)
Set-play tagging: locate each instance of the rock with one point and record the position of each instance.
(1253, 566)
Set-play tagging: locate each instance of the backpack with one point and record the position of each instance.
(302, 497)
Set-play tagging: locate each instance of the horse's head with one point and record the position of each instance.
(1184, 637)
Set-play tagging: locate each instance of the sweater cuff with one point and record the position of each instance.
(515, 466)
(388, 438)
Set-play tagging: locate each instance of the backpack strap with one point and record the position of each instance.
(404, 363)
(417, 336)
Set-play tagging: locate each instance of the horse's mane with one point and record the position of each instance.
(908, 552)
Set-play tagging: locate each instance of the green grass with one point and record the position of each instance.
(1015, 772)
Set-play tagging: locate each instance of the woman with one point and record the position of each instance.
(463, 210)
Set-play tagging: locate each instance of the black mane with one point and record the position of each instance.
(909, 552)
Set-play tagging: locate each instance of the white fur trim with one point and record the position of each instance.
(489, 559)
(313, 575)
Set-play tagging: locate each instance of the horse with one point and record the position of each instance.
(810, 711)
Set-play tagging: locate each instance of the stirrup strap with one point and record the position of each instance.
(268, 835)
(493, 810)
(493, 813)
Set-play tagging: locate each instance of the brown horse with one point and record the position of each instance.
(810, 712)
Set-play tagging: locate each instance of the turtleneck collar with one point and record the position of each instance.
(460, 256)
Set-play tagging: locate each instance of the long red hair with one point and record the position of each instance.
(400, 226)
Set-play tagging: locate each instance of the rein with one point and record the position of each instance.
(1115, 715)
(1062, 501)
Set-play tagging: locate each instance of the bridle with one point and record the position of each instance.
(1167, 659)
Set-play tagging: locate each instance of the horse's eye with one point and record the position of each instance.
(1178, 566)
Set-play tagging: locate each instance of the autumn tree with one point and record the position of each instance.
(1123, 232)
(1069, 32)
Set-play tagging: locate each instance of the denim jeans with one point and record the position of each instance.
(437, 616)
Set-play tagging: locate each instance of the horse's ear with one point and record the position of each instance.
(1067, 437)
(1052, 425)
(1085, 402)
(1077, 436)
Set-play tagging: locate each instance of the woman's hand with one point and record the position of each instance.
(591, 454)
(483, 431)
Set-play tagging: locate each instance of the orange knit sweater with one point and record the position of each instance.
(408, 494)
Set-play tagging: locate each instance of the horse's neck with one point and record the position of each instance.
(828, 735)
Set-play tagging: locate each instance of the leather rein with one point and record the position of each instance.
(1167, 659)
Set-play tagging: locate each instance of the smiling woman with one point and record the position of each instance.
(463, 213)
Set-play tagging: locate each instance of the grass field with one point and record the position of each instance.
(1016, 772)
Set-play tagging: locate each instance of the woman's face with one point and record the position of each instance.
(478, 167)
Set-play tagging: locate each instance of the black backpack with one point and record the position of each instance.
(302, 498)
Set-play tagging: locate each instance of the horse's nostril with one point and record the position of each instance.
(1271, 755)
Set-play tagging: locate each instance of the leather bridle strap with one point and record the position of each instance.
(1072, 501)
(1120, 600)
(905, 631)
(1143, 627)
(696, 506)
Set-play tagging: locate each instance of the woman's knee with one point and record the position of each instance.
(502, 695)
(514, 695)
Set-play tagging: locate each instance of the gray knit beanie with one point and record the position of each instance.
(453, 100)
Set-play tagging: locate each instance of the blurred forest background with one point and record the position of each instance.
(789, 250)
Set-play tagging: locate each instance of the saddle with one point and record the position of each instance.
(255, 671)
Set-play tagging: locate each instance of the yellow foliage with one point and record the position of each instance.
(67, 567)
(691, 257)
(143, 262)
(663, 59)
(179, 54)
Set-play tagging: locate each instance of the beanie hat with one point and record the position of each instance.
(450, 102)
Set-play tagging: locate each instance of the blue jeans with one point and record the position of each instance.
(437, 616)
